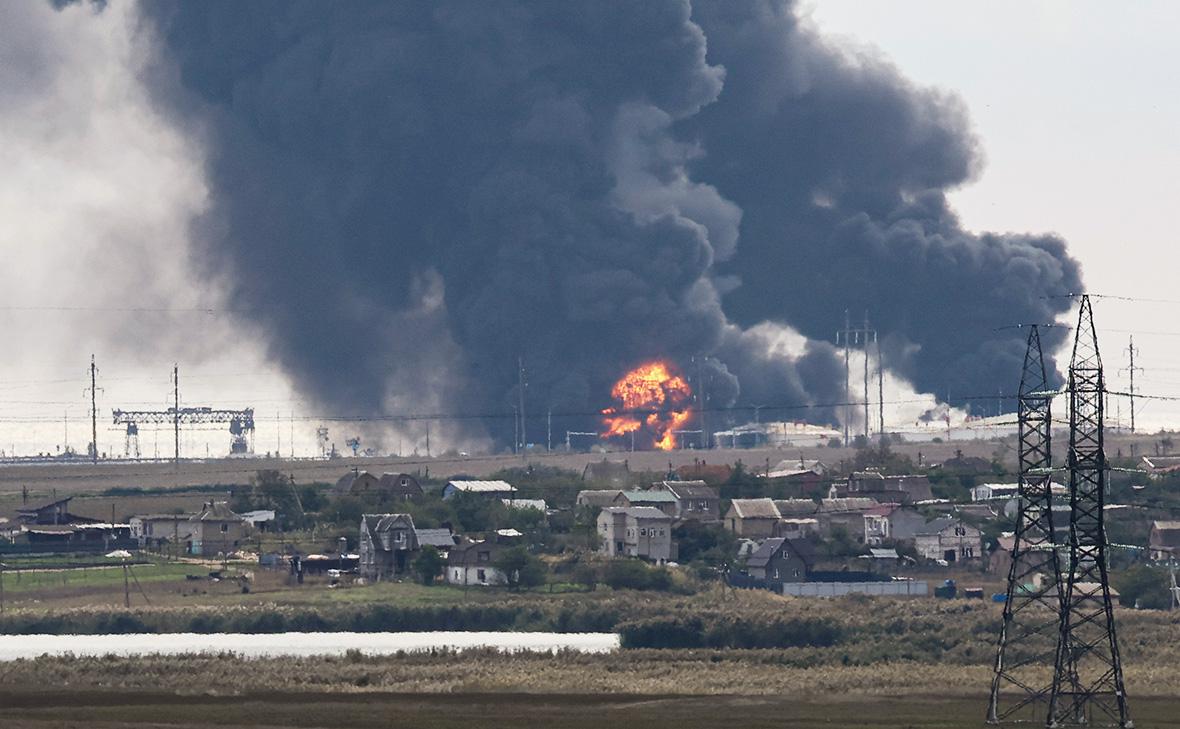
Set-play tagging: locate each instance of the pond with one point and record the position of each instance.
(258, 645)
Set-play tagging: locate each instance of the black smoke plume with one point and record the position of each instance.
(411, 196)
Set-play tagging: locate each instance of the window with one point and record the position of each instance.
(224, 527)
(643, 532)
(661, 532)
(702, 505)
(960, 531)
(776, 573)
(483, 557)
(481, 576)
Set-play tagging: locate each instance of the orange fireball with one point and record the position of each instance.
(652, 400)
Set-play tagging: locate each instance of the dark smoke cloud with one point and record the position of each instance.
(840, 167)
(409, 196)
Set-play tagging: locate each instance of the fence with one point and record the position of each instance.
(915, 588)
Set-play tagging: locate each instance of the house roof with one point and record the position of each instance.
(538, 504)
(163, 517)
(755, 509)
(606, 470)
(796, 506)
(598, 497)
(435, 537)
(385, 522)
(852, 503)
(639, 512)
(481, 487)
(43, 507)
(689, 489)
(394, 482)
(649, 497)
(880, 553)
(216, 511)
(770, 547)
(1165, 534)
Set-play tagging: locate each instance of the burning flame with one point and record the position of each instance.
(649, 387)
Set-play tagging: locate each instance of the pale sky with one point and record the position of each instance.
(1074, 105)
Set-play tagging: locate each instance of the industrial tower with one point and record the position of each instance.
(1088, 675)
(1027, 647)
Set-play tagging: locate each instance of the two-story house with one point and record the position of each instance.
(781, 560)
(949, 539)
(695, 500)
(891, 522)
(635, 531)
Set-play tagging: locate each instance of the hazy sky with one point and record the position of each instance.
(1075, 108)
(1073, 104)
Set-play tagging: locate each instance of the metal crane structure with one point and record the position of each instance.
(1088, 674)
(241, 424)
(1027, 649)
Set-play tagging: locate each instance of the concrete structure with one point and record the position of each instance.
(490, 489)
(217, 530)
(949, 539)
(752, 518)
(635, 531)
(891, 522)
(695, 500)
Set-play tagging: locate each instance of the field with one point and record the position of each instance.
(45, 479)
(508, 711)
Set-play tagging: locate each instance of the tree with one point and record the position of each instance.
(428, 564)
(520, 568)
(1143, 587)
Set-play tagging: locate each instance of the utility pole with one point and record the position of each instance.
(549, 431)
(521, 384)
(1131, 349)
(176, 410)
(880, 386)
(702, 401)
(847, 327)
(866, 343)
(93, 412)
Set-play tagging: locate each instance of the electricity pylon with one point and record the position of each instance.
(1088, 674)
(1027, 647)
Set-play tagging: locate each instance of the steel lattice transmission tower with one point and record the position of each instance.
(1027, 647)
(1088, 675)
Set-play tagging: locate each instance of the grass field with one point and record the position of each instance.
(510, 711)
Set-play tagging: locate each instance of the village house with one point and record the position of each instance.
(1163, 543)
(950, 540)
(596, 498)
(635, 531)
(847, 513)
(489, 489)
(781, 560)
(473, 562)
(96, 536)
(805, 478)
(54, 512)
(355, 482)
(155, 531)
(695, 500)
(614, 473)
(216, 530)
(1157, 467)
(752, 518)
(891, 522)
(701, 471)
(797, 528)
(662, 500)
(386, 541)
(884, 489)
